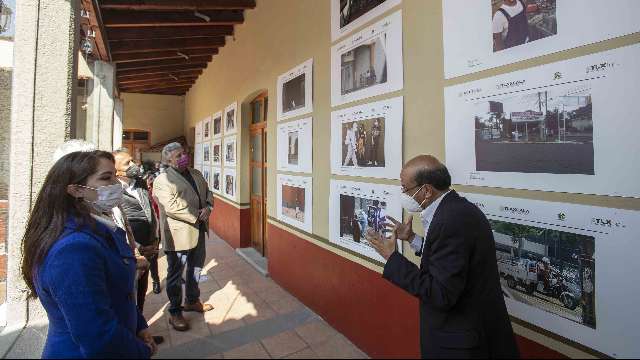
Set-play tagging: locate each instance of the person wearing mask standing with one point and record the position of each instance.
(462, 309)
(510, 25)
(78, 263)
(185, 204)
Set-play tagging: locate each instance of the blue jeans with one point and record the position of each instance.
(194, 261)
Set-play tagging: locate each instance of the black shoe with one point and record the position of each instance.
(156, 288)
(158, 339)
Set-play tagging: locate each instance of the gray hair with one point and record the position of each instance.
(169, 149)
(72, 146)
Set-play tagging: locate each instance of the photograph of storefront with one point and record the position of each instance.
(552, 270)
(364, 66)
(547, 131)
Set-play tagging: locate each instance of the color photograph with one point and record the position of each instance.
(517, 22)
(357, 215)
(363, 143)
(293, 93)
(293, 202)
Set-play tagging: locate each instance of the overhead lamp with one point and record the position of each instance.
(185, 56)
(202, 16)
(5, 17)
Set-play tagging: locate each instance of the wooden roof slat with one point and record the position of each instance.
(161, 55)
(158, 87)
(168, 32)
(115, 18)
(177, 4)
(153, 79)
(166, 44)
(169, 73)
(155, 63)
(157, 84)
(160, 70)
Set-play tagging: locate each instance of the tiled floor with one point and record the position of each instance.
(253, 318)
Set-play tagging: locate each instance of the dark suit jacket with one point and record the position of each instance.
(462, 310)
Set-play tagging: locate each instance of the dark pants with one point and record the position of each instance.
(177, 260)
(143, 281)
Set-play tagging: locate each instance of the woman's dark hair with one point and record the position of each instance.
(438, 177)
(52, 207)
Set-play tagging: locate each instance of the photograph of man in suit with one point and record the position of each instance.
(185, 204)
(462, 309)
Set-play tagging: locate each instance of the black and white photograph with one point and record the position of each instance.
(216, 180)
(206, 153)
(295, 91)
(546, 131)
(293, 202)
(363, 143)
(292, 155)
(217, 125)
(293, 97)
(230, 119)
(229, 148)
(518, 22)
(206, 130)
(230, 186)
(347, 15)
(199, 129)
(216, 157)
(295, 146)
(369, 63)
(206, 173)
(550, 269)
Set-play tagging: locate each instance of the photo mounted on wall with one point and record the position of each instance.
(216, 153)
(199, 129)
(368, 63)
(229, 148)
(230, 186)
(198, 156)
(216, 180)
(560, 267)
(356, 207)
(366, 140)
(230, 116)
(295, 146)
(295, 91)
(347, 15)
(206, 173)
(569, 123)
(295, 202)
(206, 154)
(501, 32)
(217, 125)
(206, 129)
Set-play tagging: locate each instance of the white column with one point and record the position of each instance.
(101, 106)
(118, 121)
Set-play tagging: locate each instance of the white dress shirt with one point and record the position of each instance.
(426, 215)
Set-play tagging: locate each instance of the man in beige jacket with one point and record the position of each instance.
(185, 204)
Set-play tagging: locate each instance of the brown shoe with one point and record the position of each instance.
(197, 307)
(178, 322)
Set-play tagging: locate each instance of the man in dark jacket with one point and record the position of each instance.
(462, 310)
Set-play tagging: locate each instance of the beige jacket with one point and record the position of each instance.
(179, 207)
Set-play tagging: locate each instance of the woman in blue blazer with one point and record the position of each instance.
(80, 266)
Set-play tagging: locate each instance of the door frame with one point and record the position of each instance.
(254, 129)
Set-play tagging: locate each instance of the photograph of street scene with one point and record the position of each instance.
(517, 22)
(207, 130)
(206, 153)
(293, 148)
(293, 202)
(351, 10)
(216, 153)
(293, 94)
(363, 143)
(364, 66)
(230, 185)
(216, 181)
(357, 215)
(217, 126)
(231, 120)
(548, 269)
(230, 155)
(549, 131)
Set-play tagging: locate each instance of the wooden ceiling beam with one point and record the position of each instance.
(177, 4)
(168, 32)
(162, 55)
(158, 87)
(152, 78)
(161, 70)
(176, 73)
(115, 18)
(155, 63)
(94, 23)
(118, 47)
(160, 84)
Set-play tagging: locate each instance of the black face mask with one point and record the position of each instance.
(134, 172)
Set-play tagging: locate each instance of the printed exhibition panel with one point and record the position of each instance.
(295, 201)
(230, 117)
(566, 268)
(199, 129)
(295, 91)
(368, 63)
(295, 146)
(230, 186)
(206, 153)
(356, 207)
(217, 125)
(198, 156)
(486, 34)
(230, 151)
(366, 140)
(216, 180)
(216, 152)
(347, 16)
(568, 126)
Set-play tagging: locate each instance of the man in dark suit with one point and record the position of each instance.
(462, 310)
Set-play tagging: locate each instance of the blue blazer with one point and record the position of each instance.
(86, 286)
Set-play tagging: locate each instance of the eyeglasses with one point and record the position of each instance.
(405, 190)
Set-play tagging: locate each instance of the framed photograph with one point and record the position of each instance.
(206, 129)
(216, 152)
(368, 63)
(229, 148)
(560, 267)
(295, 201)
(217, 125)
(348, 15)
(230, 116)
(366, 140)
(295, 146)
(206, 173)
(501, 32)
(230, 185)
(216, 180)
(564, 127)
(295, 91)
(356, 207)
(199, 129)
(206, 153)
(198, 155)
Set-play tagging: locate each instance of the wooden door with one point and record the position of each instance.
(136, 142)
(258, 173)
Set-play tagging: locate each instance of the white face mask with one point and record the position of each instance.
(409, 203)
(109, 197)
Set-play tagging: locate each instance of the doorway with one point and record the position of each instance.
(136, 141)
(258, 172)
